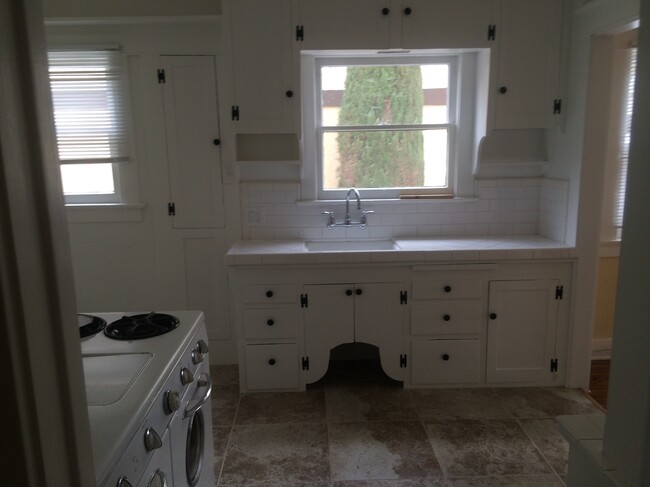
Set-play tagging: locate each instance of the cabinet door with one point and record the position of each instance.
(379, 321)
(265, 82)
(328, 322)
(191, 125)
(529, 36)
(522, 330)
(345, 24)
(446, 23)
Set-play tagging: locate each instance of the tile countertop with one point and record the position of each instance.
(409, 250)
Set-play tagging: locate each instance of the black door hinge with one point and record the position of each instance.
(304, 301)
(234, 111)
(161, 76)
(402, 361)
(305, 363)
(171, 209)
(559, 292)
(557, 106)
(553, 365)
(403, 297)
(300, 33)
(492, 32)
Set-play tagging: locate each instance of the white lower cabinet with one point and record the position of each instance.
(445, 362)
(272, 366)
(474, 325)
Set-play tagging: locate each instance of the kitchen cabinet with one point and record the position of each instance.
(266, 83)
(391, 24)
(447, 317)
(527, 90)
(371, 313)
(522, 330)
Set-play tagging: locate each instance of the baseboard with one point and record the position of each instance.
(601, 348)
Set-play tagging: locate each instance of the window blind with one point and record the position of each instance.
(88, 98)
(624, 141)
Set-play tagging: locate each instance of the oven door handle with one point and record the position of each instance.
(196, 404)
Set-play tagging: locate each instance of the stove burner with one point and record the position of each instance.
(89, 325)
(141, 326)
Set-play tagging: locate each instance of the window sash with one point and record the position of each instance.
(89, 108)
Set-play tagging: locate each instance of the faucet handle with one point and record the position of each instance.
(366, 212)
(325, 212)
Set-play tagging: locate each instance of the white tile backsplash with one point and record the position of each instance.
(512, 206)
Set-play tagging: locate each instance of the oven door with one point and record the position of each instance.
(191, 433)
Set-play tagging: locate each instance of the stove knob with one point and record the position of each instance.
(151, 440)
(197, 357)
(171, 401)
(186, 376)
(122, 482)
(202, 347)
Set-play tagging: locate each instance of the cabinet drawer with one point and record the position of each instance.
(270, 323)
(446, 317)
(448, 289)
(445, 362)
(269, 293)
(272, 366)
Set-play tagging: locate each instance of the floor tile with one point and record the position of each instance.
(468, 448)
(440, 404)
(281, 407)
(224, 399)
(381, 451)
(393, 483)
(277, 454)
(535, 402)
(546, 436)
(348, 372)
(509, 481)
(369, 403)
(220, 435)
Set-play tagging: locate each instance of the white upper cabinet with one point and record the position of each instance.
(343, 24)
(392, 24)
(266, 94)
(527, 91)
(429, 24)
(192, 137)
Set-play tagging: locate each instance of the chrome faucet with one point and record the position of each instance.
(348, 220)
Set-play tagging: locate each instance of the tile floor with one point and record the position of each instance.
(356, 428)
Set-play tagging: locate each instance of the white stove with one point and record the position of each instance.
(149, 404)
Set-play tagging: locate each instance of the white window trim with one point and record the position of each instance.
(461, 119)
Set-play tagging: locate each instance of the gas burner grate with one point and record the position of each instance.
(141, 326)
(89, 325)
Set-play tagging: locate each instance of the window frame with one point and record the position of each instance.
(459, 126)
(117, 163)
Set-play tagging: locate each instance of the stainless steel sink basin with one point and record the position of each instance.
(350, 245)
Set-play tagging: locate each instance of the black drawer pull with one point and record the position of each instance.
(359, 292)
(447, 289)
(270, 322)
(289, 93)
(269, 294)
(272, 361)
(446, 317)
(493, 316)
(385, 11)
(348, 292)
(503, 90)
(407, 11)
(445, 356)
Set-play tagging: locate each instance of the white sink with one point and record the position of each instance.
(350, 245)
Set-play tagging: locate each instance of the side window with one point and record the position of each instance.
(89, 114)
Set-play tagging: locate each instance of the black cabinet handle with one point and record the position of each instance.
(446, 317)
(270, 322)
(407, 11)
(445, 356)
(272, 361)
(269, 294)
(289, 93)
(348, 292)
(447, 289)
(216, 142)
(493, 316)
(359, 292)
(385, 11)
(503, 90)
